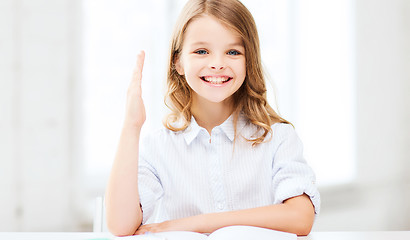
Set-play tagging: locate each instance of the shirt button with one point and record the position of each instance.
(220, 206)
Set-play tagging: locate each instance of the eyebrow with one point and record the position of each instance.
(235, 44)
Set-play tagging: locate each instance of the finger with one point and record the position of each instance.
(141, 231)
(139, 66)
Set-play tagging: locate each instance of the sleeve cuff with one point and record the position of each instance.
(296, 187)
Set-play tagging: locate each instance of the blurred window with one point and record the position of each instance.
(307, 50)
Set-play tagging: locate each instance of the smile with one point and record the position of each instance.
(216, 80)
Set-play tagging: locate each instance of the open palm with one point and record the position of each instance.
(135, 109)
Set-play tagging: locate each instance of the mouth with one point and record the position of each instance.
(216, 80)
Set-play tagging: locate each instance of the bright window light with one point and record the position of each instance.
(324, 63)
(307, 50)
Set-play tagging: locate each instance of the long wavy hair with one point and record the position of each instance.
(250, 99)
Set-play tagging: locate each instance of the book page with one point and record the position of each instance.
(182, 235)
(250, 233)
(172, 235)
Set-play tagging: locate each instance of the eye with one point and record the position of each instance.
(201, 52)
(233, 52)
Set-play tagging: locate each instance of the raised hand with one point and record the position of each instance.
(124, 215)
(135, 109)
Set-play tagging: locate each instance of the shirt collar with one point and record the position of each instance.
(227, 127)
(192, 131)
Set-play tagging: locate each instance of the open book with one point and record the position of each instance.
(226, 233)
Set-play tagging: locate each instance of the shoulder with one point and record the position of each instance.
(282, 129)
(159, 144)
(161, 138)
(279, 130)
(279, 133)
(250, 131)
(154, 142)
(284, 135)
(158, 134)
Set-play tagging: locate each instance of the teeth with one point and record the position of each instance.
(216, 80)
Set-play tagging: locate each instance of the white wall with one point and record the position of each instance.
(380, 198)
(7, 123)
(40, 105)
(38, 70)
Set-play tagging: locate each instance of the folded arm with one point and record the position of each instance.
(295, 215)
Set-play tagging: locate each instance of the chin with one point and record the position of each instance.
(217, 99)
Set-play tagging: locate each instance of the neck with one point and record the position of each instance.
(209, 114)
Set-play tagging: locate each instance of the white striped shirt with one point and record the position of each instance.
(190, 172)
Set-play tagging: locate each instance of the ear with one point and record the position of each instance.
(178, 66)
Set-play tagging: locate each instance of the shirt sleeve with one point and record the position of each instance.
(149, 185)
(292, 176)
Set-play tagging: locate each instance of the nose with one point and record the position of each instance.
(217, 67)
(217, 63)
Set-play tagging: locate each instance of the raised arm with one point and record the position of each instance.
(123, 211)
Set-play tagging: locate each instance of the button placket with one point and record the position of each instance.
(216, 171)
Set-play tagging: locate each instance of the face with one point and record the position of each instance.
(212, 60)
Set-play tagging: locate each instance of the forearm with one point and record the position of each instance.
(296, 215)
(122, 199)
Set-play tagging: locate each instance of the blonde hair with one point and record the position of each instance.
(250, 99)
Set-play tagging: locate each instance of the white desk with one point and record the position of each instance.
(54, 236)
(403, 235)
(399, 235)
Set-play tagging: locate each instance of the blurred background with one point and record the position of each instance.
(339, 70)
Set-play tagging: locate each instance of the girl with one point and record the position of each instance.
(224, 157)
